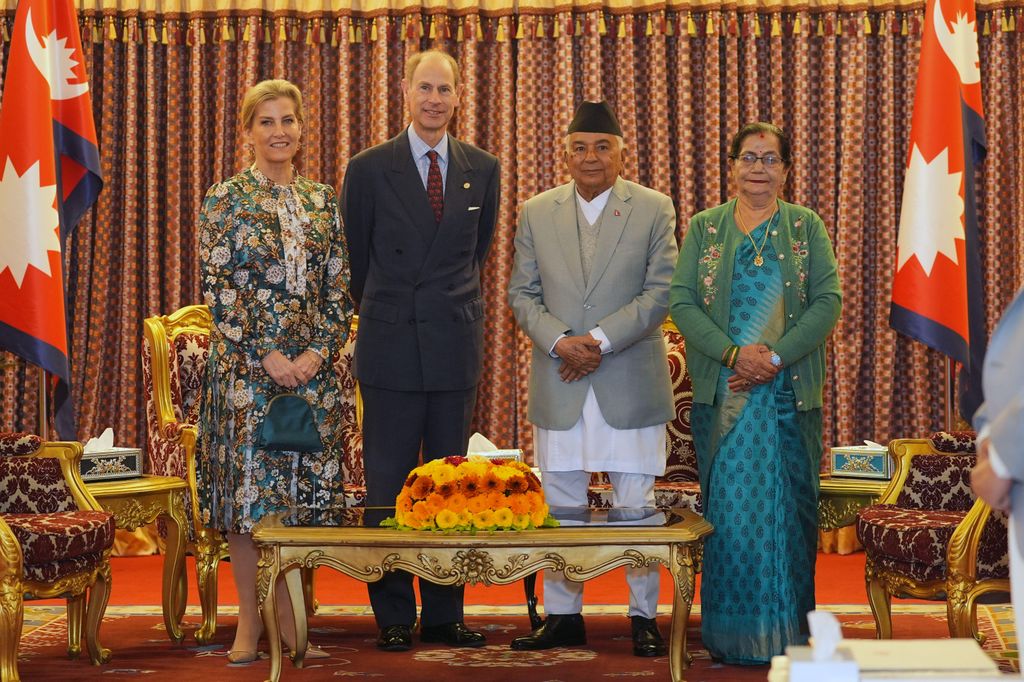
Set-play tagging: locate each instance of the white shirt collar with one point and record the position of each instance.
(592, 209)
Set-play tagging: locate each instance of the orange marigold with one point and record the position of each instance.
(477, 504)
(519, 504)
(470, 484)
(447, 489)
(422, 512)
(434, 503)
(422, 487)
(457, 502)
(491, 482)
(516, 484)
(495, 499)
(404, 502)
(533, 482)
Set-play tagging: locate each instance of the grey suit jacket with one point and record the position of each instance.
(1003, 409)
(417, 283)
(626, 295)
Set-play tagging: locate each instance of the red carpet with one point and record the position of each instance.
(137, 580)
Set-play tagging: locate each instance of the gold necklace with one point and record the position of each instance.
(758, 259)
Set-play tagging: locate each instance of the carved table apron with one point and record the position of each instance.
(496, 558)
(135, 502)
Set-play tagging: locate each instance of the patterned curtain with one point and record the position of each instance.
(167, 84)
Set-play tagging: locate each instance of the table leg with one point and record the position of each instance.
(209, 546)
(266, 588)
(174, 565)
(683, 574)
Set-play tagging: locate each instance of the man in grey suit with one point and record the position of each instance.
(419, 213)
(593, 263)
(998, 476)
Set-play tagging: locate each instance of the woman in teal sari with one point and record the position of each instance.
(756, 293)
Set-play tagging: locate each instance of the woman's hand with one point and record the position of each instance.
(309, 363)
(283, 371)
(753, 367)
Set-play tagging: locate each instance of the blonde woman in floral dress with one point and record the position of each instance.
(275, 276)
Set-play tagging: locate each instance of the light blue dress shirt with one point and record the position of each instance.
(419, 156)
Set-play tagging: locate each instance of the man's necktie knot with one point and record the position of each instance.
(435, 188)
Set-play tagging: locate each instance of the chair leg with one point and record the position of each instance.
(209, 546)
(12, 614)
(99, 594)
(76, 618)
(181, 596)
(962, 610)
(312, 605)
(881, 608)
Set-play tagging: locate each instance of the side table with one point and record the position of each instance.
(838, 503)
(135, 502)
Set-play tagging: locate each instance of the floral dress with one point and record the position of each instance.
(275, 275)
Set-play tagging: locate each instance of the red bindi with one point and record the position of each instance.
(761, 135)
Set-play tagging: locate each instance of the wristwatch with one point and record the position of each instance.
(775, 359)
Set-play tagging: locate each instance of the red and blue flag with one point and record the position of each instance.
(937, 295)
(49, 177)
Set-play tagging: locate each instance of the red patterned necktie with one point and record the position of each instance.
(435, 188)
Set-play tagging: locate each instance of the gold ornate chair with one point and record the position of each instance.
(175, 349)
(55, 541)
(927, 537)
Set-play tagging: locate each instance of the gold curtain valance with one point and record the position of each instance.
(373, 8)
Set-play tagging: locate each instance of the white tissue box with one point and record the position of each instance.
(516, 455)
(111, 463)
(840, 667)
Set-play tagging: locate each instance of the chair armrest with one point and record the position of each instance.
(962, 552)
(70, 455)
(10, 556)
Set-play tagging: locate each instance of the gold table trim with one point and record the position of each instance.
(135, 502)
(497, 558)
(841, 498)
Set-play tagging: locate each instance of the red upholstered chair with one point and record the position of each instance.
(929, 538)
(55, 541)
(175, 349)
(680, 486)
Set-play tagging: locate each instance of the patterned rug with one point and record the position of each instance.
(141, 650)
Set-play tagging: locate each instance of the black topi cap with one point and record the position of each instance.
(595, 117)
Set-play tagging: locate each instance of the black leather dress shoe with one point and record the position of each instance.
(395, 638)
(567, 630)
(452, 634)
(647, 641)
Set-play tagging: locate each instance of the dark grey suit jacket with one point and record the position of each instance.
(417, 284)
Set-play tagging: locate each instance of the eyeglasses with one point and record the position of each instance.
(749, 159)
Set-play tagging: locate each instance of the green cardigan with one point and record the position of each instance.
(701, 287)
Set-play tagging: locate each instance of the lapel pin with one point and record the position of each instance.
(617, 214)
(465, 185)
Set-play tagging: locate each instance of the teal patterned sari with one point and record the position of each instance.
(758, 459)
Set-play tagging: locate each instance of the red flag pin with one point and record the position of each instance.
(617, 214)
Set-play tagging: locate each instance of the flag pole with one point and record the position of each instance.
(950, 393)
(43, 421)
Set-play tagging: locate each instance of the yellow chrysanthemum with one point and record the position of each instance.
(483, 519)
(521, 521)
(446, 519)
(443, 473)
(538, 515)
(503, 517)
(465, 519)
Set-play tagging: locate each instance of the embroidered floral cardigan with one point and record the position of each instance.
(699, 296)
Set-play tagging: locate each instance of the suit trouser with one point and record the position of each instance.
(569, 489)
(396, 424)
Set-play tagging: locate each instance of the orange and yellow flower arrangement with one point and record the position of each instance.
(460, 494)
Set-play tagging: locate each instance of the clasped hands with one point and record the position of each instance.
(753, 366)
(580, 356)
(292, 373)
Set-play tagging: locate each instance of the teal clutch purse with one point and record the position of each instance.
(289, 425)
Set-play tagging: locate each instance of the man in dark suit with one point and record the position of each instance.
(419, 213)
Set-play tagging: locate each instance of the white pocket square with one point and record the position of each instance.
(474, 208)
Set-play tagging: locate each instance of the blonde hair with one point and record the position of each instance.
(265, 91)
(414, 61)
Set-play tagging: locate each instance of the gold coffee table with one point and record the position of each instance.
(135, 502)
(365, 553)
